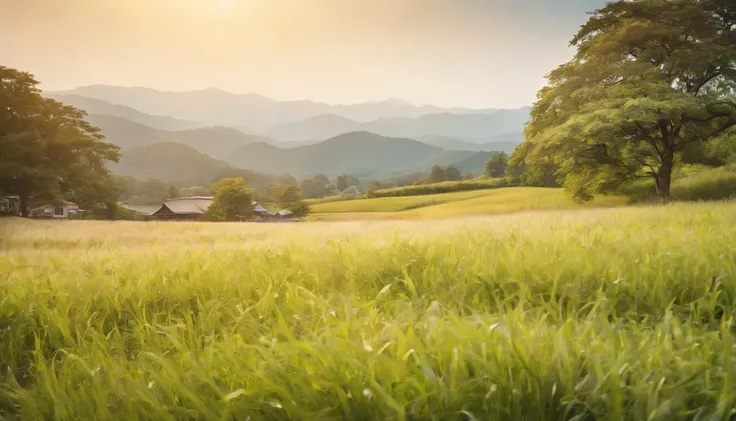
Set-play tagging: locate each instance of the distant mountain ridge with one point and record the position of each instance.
(213, 107)
(217, 142)
(362, 153)
(496, 126)
(101, 107)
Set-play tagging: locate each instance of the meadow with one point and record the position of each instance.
(457, 204)
(601, 314)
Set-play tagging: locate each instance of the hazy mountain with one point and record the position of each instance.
(214, 141)
(360, 153)
(172, 162)
(498, 126)
(318, 127)
(501, 143)
(255, 112)
(474, 164)
(100, 107)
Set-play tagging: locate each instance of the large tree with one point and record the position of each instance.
(48, 150)
(650, 79)
(233, 201)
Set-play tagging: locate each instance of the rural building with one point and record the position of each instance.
(10, 205)
(184, 208)
(285, 214)
(192, 209)
(60, 210)
(144, 210)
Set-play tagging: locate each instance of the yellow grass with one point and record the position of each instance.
(452, 205)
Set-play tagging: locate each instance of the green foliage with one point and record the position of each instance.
(48, 150)
(291, 198)
(650, 79)
(290, 194)
(445, 187)
(195, 191)
(318, 186)
(437, 174)
(300, 208)
(496, 165)
(233, 201)
(148, 191)
(341, 183)
(487, 319)
(452, 173)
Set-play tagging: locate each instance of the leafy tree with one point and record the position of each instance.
(48, 150)
(437, 174)
(195, 191)
(290, 194)
(650, 78)
(173, 192)
(286, 179)
(292, 199)
(351, 192)
(452, 173)
(496, 165)
(273, 193)
(353, 180)
(318, 186)
(233, 201)
(342, 182)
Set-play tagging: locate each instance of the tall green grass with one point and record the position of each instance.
(690, 184)
(618, 314)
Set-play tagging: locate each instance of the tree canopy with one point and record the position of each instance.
(233, 201)
(652, 80)
(496, 165)
(48, 150)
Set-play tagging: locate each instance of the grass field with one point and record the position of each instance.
(607, 314)
(452, 205)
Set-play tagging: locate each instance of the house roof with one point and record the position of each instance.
(187, 205)
(143, 209)
(260, 209)
(285, 212)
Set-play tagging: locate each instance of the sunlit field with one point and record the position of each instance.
(602, 314)
(453, 205)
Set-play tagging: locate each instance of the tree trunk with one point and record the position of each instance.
(663, 180)
(23, 204)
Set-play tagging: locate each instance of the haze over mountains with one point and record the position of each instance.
(212, 128)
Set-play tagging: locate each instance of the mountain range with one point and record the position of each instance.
(208, 130)
(215, 107)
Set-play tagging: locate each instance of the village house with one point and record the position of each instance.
(192, 209)
(59, 210)
(10, 205)
(184, 208)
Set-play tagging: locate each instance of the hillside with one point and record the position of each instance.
(361, 153)
(499, 143)
(214, 141)
(98, 106)
(474, 164)
(255, 112)
(172, 162)
(454, 131)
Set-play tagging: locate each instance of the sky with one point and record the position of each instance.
(470, 53)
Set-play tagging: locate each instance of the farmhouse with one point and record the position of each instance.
(183, 209)
(10, 205)
(192, 209)
(59, 210)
